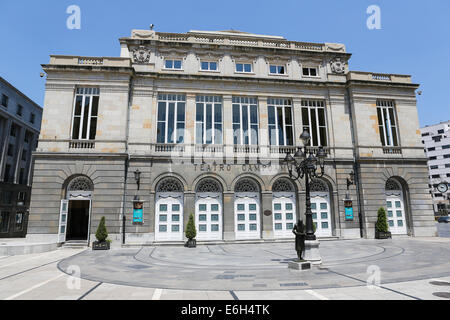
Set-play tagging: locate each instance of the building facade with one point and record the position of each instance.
(199, 123)
(436, 139)
(20, 123)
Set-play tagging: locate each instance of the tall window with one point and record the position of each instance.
(281, 131)
(171, 118)
(245, 121)
(208, 122)
(85, 114)
(315, 122)
(387, 123)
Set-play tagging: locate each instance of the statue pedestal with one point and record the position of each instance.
(312, 253)
(300, 265)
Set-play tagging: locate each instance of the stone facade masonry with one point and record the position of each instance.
(126, 133)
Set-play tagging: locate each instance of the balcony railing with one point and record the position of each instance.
(392, 150)
(81, 144)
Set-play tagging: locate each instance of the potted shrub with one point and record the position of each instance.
(382, 228)
(191, 233)
(102, 235)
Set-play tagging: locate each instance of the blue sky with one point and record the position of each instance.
(414, 38)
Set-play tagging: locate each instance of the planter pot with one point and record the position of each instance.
(191, 243)
(101, 245)
(382, 235)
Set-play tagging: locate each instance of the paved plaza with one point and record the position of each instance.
(408, 269)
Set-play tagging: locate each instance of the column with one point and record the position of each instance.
(298, 121)
(228, 216)
(228, 134)
(267, 221)
(189, 138)
(18, 156)
(263, 127)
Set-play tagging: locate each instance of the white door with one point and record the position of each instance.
(64, 212)
(247, 216)
(284, 215)
(169, 217)
(320, 207)
(208, 217)
(396, 215)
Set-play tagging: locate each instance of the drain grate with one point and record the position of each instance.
(445, 295)
(299, 284)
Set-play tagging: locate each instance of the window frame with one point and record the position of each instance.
(282, 103)
(311, 106)
(5, 101)
(177, 99)
(173, 64)
(277, 66)
(204, 122)
(245, 103)
(209, 66)
(383, 108)
(90, 117)
(309, 68)
(243, 63)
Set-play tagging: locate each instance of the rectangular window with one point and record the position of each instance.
(10, 150)
(5, 100)
(171, 118)
(4, 222)
(208, 120)
(13, 132)
(425, 134)
(7, 177)
(310, 72)
(446, 156)
(209, 66)
(447, 165)
(281, 129)
(245, 121)
(24, 155)
(387, 123)
(431, 149)
(7, 197)
(434, 167)
(244, 67)
(85, 114)
(22, 179)
(21, 196)
(173, 64)
(432, 158)
(19, 110)
(446, 147)
(277, 69)
(32, 118)
(441, 131)
(435, 176)
(315, 122)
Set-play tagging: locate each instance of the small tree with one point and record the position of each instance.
(191, 232)
(102, 233)
(382, 224)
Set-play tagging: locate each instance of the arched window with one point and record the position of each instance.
(392, 185)
(283, 185)
(246, 185)
(170, 185)
(318, 186)
(81, 184)
(208, 186)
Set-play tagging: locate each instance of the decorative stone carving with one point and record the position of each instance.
(170, 185)
(283, 185)
(392, 185)
(209, 186)
(337, 65)
(318, 186)
(80, 184)
(141, 55)
(246, 185)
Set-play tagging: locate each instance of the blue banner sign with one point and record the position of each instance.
(138, 212)
(349, 213)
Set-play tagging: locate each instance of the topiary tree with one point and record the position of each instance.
(191, 232)
(102, 233)
(382, 224)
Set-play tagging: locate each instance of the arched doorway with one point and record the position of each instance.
(284, 208)
(208, 210)
(395, 207)
(247, 210)
(169, 210)
(321, 208)
(75, 213)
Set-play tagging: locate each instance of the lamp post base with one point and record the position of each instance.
(312, 253)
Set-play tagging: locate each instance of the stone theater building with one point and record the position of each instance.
(199, 123)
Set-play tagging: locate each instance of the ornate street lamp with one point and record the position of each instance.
(306, 164)
(137, 177)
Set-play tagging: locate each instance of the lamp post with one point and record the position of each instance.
(305, 164)
(137, 177)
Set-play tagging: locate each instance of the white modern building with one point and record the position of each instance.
(436, 139)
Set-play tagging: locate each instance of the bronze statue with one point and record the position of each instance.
(300, 236)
